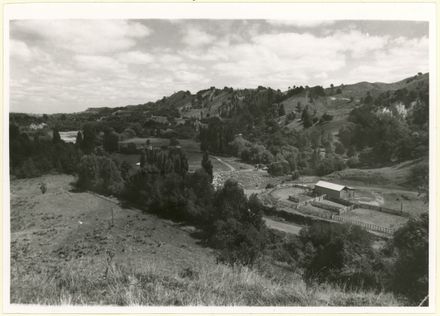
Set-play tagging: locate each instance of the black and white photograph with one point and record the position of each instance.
(177, 156)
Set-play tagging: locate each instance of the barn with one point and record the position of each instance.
(333, 190)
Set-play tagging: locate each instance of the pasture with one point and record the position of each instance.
(63, 230)
(189, 146)
(65, 250)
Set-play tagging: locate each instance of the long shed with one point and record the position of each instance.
(333, 190)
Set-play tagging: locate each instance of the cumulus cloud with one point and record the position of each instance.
(287, 57)
(69, 65)
(403, 57)
(84, 36)
(20, 50)
(96, 62)
(195, 37)
(136, 57)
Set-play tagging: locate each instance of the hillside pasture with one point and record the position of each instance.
(66, 251)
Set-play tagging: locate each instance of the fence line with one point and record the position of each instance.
(348, 206)
(365, 225)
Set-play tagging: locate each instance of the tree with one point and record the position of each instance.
(281, 110)
(238, 230)
(100, 174)
(174, 141)
(79, 139)
(207, 165)
(412, 262)
(339, 148)
(339, 253)
(143, 159)
(110, 141)
(56, 138)
(307, 118)
(125, 170)
(368, 99)
(89, 138)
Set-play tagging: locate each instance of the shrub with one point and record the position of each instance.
(238, 231)
(100, 174)
(329, 165)
(411, 267)
(340, 253)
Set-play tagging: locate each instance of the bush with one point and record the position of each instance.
(329, 165)
(339, 148)
(100, 174)
(411, 242)
(130, 149)
(238, 231)
(353, 162)
(295, 175)
(340, 253)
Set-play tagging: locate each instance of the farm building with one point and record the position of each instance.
(334, 190)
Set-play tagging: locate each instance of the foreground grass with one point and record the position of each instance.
(121, 285)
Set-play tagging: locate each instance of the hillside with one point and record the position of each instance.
(69, 253)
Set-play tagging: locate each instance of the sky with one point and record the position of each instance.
(63, 66)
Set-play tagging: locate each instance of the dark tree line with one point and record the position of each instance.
(32, 157)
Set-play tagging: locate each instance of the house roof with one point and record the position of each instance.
(331, 186)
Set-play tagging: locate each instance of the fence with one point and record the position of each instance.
(268, 199)
(338, 218)
(368, 206)
(315, 199)
(365, 225)
(381, 209)
(332, 208)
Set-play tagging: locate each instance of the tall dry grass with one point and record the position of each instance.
(219, 285)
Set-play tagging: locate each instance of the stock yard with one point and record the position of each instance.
(377, 209)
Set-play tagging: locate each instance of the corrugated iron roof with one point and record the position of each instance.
(330, 186)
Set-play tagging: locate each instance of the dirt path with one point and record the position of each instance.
(231, 168)
(286, 227)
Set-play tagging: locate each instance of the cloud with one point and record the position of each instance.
(114, 63)
(285, 58)
(20, 50)
(83, 36)
(403, 57)
(95, 62)
(196, 37)
(309, 23)
(135, 57)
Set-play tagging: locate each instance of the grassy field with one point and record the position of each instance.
(65, 250)
(393, 177)
(190, 146)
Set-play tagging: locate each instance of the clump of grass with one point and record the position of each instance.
(79, 284)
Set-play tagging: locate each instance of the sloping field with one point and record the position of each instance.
(65, 250)
(396, 176)
(58, 229)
